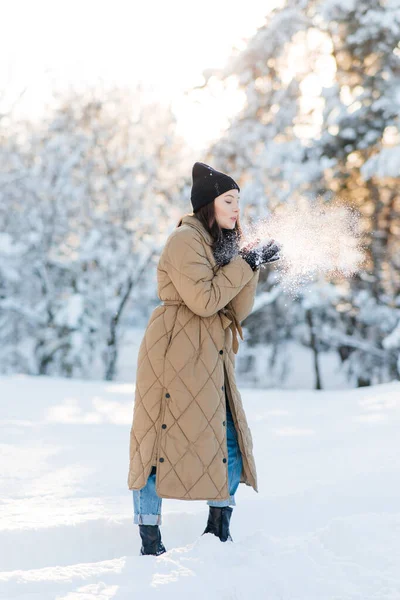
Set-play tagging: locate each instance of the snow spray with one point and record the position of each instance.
(315, 239)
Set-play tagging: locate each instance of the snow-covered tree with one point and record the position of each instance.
(320, 82)
(84, 210)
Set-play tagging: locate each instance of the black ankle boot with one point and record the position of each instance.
(218, 522)
(151, 540)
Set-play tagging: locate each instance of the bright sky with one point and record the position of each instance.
(165, 44)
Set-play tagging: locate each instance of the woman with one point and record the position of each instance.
(189, 438)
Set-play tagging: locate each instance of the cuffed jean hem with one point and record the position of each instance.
(147, 519)
(228, 502)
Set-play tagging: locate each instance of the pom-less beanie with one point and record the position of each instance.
(208, 184)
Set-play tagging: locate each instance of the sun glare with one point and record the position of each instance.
(165, 45)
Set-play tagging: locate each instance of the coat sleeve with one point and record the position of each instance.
(202, 289)
(243, 302)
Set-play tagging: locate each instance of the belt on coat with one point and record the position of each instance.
(228, 318)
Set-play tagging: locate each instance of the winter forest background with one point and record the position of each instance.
(90, 190)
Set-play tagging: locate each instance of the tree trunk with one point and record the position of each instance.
(314, 348)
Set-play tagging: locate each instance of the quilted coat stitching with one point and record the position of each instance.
(139, 401)
(208, 422)
(210, 324)
(201, 389)
(191, 444)
(156, 342)
(231, 283)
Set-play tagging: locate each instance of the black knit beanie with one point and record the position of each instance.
(208, 184)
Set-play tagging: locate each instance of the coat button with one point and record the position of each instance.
(221, 351)
(222, 388)
(161, 459)
(164, 426)
(223, 460)
(223, 422)
(167, 395)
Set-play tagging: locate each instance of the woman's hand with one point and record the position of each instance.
(267, 253)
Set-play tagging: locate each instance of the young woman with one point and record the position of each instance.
(189, 437)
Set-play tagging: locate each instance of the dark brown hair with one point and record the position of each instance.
(206, 216)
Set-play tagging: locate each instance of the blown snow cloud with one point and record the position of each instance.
(316, 239)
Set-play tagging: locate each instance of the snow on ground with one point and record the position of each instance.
(325, 524)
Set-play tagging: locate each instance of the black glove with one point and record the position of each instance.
(227, 248)
(265, 254)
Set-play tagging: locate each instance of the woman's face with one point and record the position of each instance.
(227, 209)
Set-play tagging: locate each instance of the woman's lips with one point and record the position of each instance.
(233, 218)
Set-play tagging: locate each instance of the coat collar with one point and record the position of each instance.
(194, 222)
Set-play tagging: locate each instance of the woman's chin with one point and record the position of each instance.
(227, 225)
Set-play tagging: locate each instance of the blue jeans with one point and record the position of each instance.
(147, 504)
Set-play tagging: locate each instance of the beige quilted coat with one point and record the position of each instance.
(185, 359)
